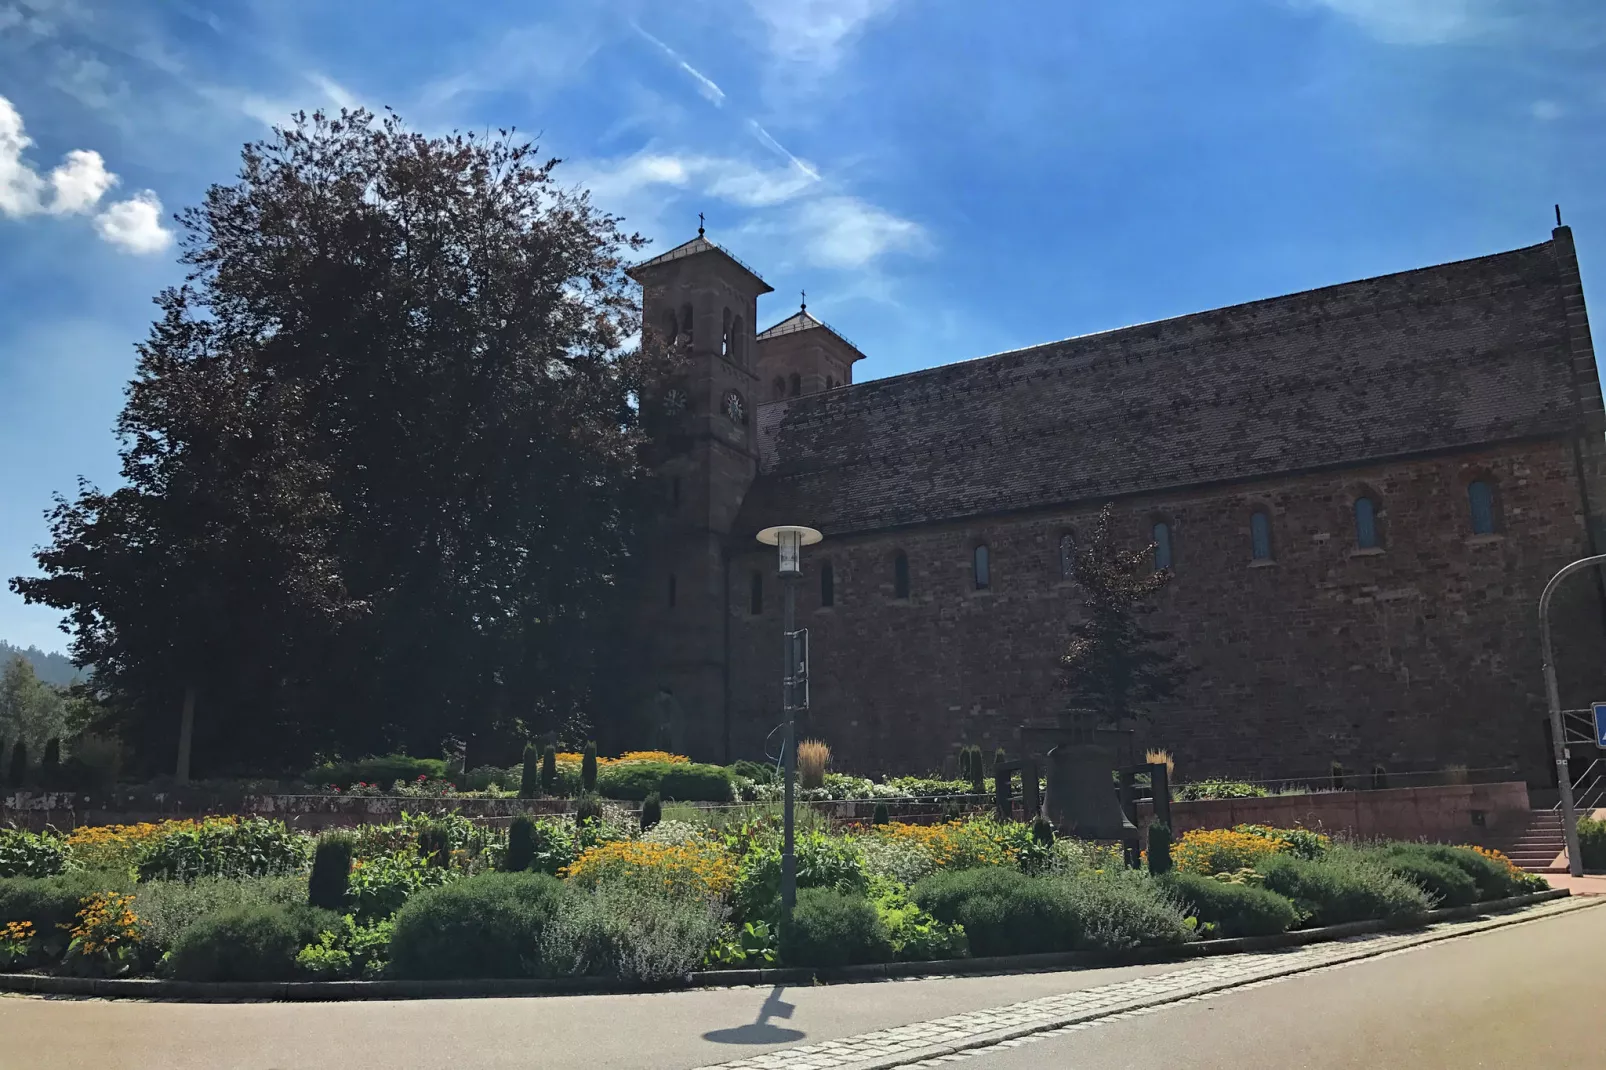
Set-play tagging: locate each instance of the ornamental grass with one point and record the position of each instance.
(673, 869)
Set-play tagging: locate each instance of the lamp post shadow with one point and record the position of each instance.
(761, 1031)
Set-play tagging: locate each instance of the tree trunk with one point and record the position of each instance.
(186, 732)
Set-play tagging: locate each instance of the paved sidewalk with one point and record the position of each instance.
(931, 1043)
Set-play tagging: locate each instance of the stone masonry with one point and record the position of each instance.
(1419, 652)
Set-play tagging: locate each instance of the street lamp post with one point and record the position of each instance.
(789, 540)
(1558, 732)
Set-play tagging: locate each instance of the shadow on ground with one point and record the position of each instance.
(761, 1031)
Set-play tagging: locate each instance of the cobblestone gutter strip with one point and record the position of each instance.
(315, 991)
(943, 1040)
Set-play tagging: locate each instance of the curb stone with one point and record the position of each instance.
(323, 991)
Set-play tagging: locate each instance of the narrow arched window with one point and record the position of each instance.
(725, 335)
(1067, 556)
(830, 382)
(738, 341)
(780, 388)
(1260, 535)
(755, 594)
(900, 575)
(980, 568)
(1366, 524)
(1162, 545)
(827, 585)
(671, 592)
(671, 328)
(685, 321)
(1480, 497)
(797, 384)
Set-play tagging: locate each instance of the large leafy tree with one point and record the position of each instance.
(31, 711)
(1114, 665)
(381, 457)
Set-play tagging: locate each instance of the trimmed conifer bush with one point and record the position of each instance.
(587, 808)
(1159, 848)
(530, 775)
(19, 764)
(331, 871)
(520, 844)
(588, 769)
(964, 762)
(1043, 831)
(549, 770)
(882, 815)
(435, 844)
(652, 811)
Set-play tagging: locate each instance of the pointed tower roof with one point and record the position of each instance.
(696, 247)
(801, 321)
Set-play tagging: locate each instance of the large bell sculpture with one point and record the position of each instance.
(1081, 798)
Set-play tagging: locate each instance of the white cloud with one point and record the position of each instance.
(80, 182)
(735, 181)
(816, 32)
(846, 232)
(1413, 22)
(1546, 110)
(135, 225)
(20, 185)
(705, 85)
(76, 185)
(334, 92)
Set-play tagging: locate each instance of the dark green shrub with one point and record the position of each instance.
(588, 769)
(530, 777)
(1493, 878)
(882, 815)
(757, 772)
(1005, 912)
(520, 844)
(549, 770)
(32, 854)
(964, 762)
(1447, 884)
(1380, 778)
(1159, 848)
(587, 808)
(383, 771)
(1343, 888)
(1338, 776)
(50, 766)
(652, 811)
(484, 926)
(1592, 843)
(952, 813)
(677, 781)
(245, 943)
(331, 870)
(19, 764)
(435, 844)
(978, 772)
(1230, 909)
(832, 928)
(999, 758)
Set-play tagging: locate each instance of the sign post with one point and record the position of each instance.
(1600, 725)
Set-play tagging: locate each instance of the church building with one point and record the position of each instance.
(1360, 490)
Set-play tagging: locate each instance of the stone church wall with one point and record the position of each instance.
(1419, 655)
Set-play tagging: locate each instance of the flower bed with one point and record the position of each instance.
(448, 897)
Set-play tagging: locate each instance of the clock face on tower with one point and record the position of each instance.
(734, 409)
(675, 401)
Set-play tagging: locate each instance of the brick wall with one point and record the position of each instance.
(1417, 656)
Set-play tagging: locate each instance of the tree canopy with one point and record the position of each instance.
(1113, 665)
(380, 457)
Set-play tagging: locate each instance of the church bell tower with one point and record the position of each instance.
(701, 302)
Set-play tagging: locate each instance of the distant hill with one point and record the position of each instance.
(51, 668)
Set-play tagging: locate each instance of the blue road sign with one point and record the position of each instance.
(1600, 725)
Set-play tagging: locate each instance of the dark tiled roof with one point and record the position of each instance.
(1444, 357)
(697, 245)
(802, 321)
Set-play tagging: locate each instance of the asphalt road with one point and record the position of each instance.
(1529, 995)
(637, 1032)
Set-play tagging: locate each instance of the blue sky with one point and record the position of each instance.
(946, 178)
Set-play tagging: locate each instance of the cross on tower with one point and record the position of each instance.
(805, 296)
(699, 224)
